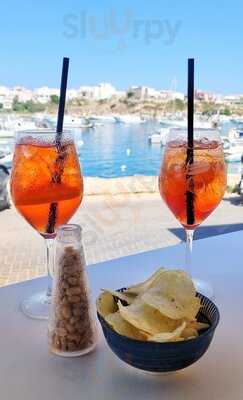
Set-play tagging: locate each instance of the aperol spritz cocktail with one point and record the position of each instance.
(34, 187)
(206, 179)
(193, 189)
(47, 189)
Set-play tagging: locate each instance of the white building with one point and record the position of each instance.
(6, 97)
(232, 99)
(22, 94)
(144, 92)
(43, 94)
(105, 91)
(170, 95)
(100, 92)
(86, 92)
(71, 94)
(205, 96)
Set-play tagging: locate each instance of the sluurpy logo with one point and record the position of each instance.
(114, 31)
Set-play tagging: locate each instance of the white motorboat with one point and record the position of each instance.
(198, 124)
(71, 122)
(129, 119)
(6, 133)
(76, 123)
(22, 125)
(102, 118)
(14, 124)
(233, 145)
(155, 138)
(237, 120)
(86, 123)
(235, 151)
(159, 137)
(233, 157)
(7, 160)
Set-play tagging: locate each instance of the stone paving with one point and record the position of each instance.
(113, 226)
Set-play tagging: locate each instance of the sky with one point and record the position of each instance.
(137, 42)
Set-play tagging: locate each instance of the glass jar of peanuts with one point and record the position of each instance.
(72, 328)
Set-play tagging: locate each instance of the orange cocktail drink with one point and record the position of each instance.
(205, 179)
(35, 187)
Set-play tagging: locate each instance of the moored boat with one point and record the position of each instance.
(159, 137)
(102, 118)
(129, 119)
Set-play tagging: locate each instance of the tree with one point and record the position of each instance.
(29, 106)
(54, 99)
(1, 106)
(208, 108)
(34, 107)
(226, 112)
(179, 105)
(130, 95)
(102, 101)
(17, 106)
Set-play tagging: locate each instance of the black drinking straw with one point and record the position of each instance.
(62, 99)
(189, 160)
(59, 129)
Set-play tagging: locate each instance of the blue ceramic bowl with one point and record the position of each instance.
(164, 357)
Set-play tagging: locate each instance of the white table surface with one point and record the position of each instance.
(29, 372)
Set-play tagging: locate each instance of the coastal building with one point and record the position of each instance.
(72, 94)
(233, 99)
(22, 94)
(120, 93)
(6, 103)
(6, 97)
(205, 96)
(170, 95)
(143, 93)
(100, 92)
(105, 91)
(43, 94)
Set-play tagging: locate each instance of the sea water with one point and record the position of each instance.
(116, 150)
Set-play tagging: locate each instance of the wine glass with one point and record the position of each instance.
(192, 190)
(47, 189)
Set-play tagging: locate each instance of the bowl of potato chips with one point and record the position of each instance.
(159, 325)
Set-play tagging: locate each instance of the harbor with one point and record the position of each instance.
(113, 146)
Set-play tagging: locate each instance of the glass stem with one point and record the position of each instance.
(50, 266)
(188, 260)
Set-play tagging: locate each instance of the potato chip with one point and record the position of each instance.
(161, 309)
(123, 327)
(199, 325)
(129, 298)
(169, 336)
(146, 318)
(189, 332)
(173, 295)
(106, 304)
(143, 286)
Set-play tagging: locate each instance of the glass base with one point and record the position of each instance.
(37, 306)
(204, 288)
(72, 353)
